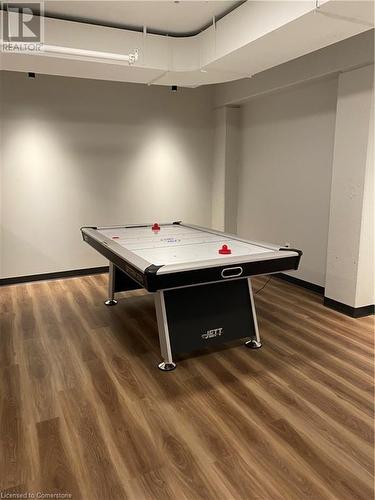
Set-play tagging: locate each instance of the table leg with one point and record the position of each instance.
(254, 342)
(111, 286)
(165, 346)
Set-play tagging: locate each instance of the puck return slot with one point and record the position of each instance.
(231, 272)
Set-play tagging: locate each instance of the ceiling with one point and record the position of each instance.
(176, 18)
(255, 36)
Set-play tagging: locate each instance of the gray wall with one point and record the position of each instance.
(84, 152)
(78, 152)
(306, 175)
(286, 170)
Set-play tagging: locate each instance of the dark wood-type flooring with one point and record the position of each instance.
(85, 411)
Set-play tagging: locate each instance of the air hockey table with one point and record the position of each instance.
(200, 278)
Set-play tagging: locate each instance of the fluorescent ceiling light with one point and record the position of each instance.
(130, 58)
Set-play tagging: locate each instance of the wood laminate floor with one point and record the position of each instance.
(85, 411)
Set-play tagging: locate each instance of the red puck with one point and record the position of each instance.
(156, 227)
(115, 237)
(224, 250)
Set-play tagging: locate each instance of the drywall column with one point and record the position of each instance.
(225, 169)
(1, 176)
(365, 283)
(232, 159)
(218, 171)
(350, 265)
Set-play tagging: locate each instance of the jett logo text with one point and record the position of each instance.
(210, 334)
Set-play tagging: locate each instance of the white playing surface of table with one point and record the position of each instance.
(175, 244)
